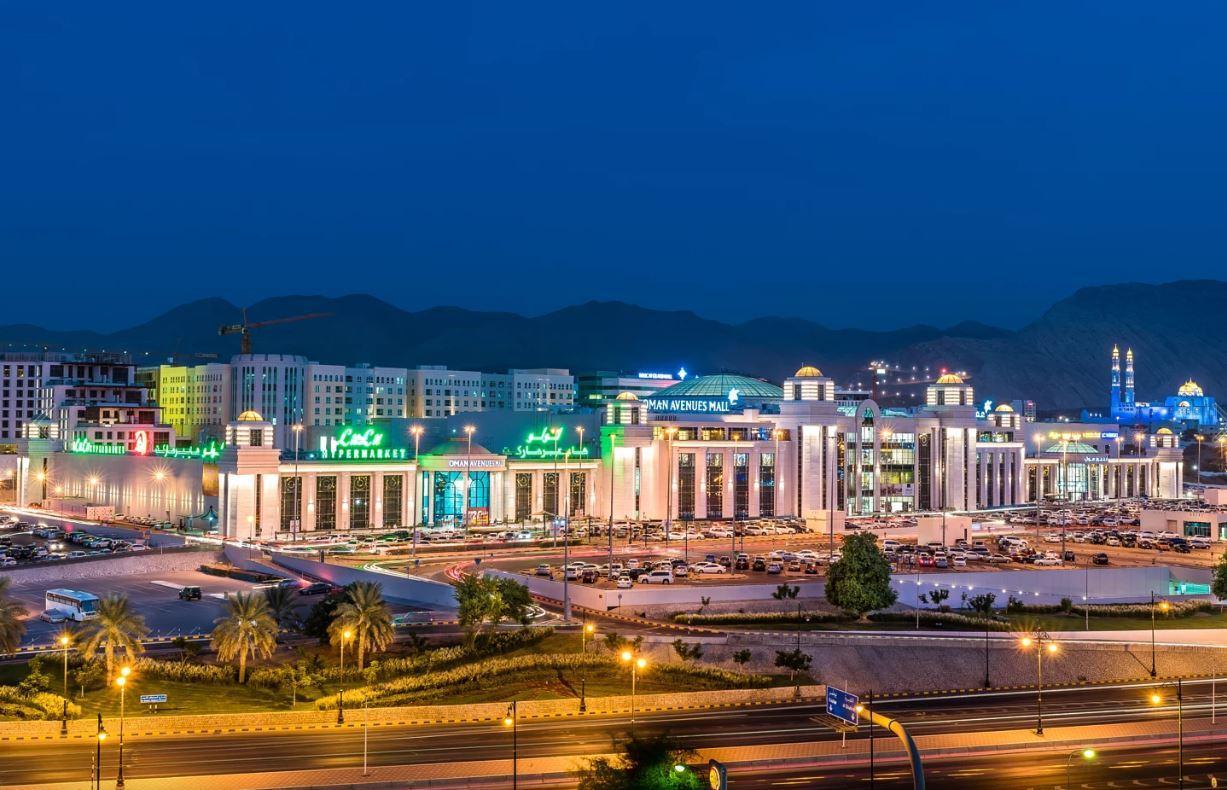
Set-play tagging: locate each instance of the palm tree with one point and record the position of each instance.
(283, 606)
(365, 614)
(12, 626)
(248, 629)
(117, 625)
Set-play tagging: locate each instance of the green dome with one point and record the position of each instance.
(1072, 447)
(718, 386)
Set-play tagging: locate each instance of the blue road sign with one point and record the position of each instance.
(150, 699)
(842, 705)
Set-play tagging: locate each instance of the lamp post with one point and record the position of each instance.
(99, 737)
(589, 628)
(579, 466)
(1200, 438)
(1156, 698)
(64, 641)
(1087, 754)
(122, 682)
(613, 458)
(1164, 606)
(1042, 644)
(416, 433)
(512, 720)
(297, 522)
(345, 635)
(670, 432)
(637, 663)
(468, 477)
(775, 474)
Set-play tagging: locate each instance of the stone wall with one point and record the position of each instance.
(182, 559)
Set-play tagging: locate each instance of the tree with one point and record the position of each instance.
(1218, 585)
(742, 657)
(247, 629)
(116, 626)
(367, 617)
(90, 674)
(12, 623)
(794, 661)
(616, 642)
(786, 591)
(859, 581)
(982, 603)
(936, 596)
(323, 612)
(283, 606)
(704, 602)
(491, 599)
(188, 648)
(649, 763)
(686, 651)
(416, 642)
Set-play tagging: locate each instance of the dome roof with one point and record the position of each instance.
(459, 445)
(250, 416)
(1005, 408)
(627, 396)
(719, 386)
(949, 378)
(807, 372)
(1164, 432)
(1190, 389)
(1072, 447)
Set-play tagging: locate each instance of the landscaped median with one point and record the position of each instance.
(136, 726)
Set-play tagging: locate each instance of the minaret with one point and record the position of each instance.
(1115, 407)
(1129, 377)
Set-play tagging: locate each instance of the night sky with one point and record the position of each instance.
(859, 164)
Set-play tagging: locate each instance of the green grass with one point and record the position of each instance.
(1020, 622)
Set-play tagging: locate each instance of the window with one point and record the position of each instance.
(578, 489)
(524, 496)
(393, 490)
(741, 485)
(291, 503)
(685, 485)
(715, 485)
(326, 502)
(766, 485)
(550, 493)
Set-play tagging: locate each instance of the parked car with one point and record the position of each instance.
(708, 567)
(189, 593)
(544, 570)
(658, 576)
(775, 567)
(315, 588)
(1100, 559)
(624, 582)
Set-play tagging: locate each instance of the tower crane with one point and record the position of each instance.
(244, 329)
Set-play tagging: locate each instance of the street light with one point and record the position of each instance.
(469, 430)
(1042, 643)
(637, 663)
(1087, 754)
(122, 682)
(512, 720)
(1164, 606)
(296, 522)
(588, 630)
(65, 641)
(345, 636)
(1156, 698)
(99, 737)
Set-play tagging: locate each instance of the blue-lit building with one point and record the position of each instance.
(1190, 406)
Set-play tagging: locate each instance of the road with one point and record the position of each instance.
(52, 761)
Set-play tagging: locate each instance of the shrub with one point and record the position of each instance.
(39, 705)
(759, 618)
(942, 618)
(185, 672)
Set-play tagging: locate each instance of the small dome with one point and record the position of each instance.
(250, 416)
(1164, 432)
(1005, 408)
(949, 378)
(807, 372)
(627, 396)
(1190, 389)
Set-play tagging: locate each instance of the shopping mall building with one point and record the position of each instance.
(710, 447)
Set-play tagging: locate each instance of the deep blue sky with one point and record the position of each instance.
(867, 164)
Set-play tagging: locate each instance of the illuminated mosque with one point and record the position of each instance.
(1190, 405)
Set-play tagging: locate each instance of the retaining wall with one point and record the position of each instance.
(113, 565)
(412, 590)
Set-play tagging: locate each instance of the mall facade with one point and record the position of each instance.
(705, 448)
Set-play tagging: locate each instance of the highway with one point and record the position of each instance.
(54, 761)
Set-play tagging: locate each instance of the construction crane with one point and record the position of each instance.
(244, 329)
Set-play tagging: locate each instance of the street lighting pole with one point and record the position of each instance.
(416, 431)
(613, 458)
(296, 524)
(512, 721)
(1164, 605)
(99, 737)
(1157, 698)
(468, 478)
(1087, 754)
(637, 663)
(341, 694)
(566, 541)
(122, 682)
(64, 640)
(1038, 640)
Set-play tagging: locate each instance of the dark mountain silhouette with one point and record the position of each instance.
(1060, 360)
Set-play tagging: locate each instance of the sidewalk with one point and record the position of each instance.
(542, 771)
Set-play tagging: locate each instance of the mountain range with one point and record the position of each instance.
(1060, 360)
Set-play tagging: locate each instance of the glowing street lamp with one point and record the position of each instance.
(122, 682)
(99, 737)
(636, 663)
(1041, 643)
(345, 637)
(1156, 698)
(1087, 754)
(512, 720)
(1164, 607)
(65, 640)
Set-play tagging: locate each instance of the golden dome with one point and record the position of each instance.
(627, 396)
(1190, 389)
(1164, 432)
(949, 378)
(250, 416)
(1005, 408)
(807, 372)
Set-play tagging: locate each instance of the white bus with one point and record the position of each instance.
(73, 604)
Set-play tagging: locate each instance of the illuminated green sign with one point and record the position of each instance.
(359, 445)
(545, 445)
(205, 452)
(87, 447)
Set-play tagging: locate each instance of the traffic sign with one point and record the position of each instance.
(842, 705)
(152, 699)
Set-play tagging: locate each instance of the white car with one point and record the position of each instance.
(1052, 537)
(681, 570)
(807, 555)
(1112, 542)
(656, 577)
(1049, 560)
(708, 567)
(624, 582)
(719, 532)
(959, 561)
